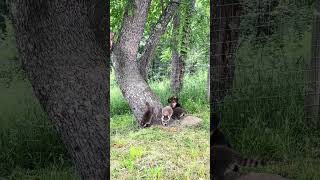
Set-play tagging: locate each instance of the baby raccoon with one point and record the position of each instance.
(166, 115)
(226, 159)
(217, 137)
(147, 116)
(173, 101)
(178, 113)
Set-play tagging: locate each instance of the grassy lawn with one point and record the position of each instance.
(29, 146)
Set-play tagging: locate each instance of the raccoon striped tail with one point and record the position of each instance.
(252, 163)
(234, 167)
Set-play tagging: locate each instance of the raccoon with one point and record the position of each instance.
(147, 116)
(217, 137)
(166, 115)
(226, 159)
(178, 113)
(173, 101)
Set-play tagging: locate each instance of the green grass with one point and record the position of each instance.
(49, 173)
(158, 154)
(29, 146)
(28, 142)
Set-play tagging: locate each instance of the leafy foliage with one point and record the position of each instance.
(117, 8)
(3, 13)
(198, 52)
(263, 19)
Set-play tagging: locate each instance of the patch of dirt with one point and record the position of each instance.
(187, 121)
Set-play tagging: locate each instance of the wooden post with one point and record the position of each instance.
(313, 93)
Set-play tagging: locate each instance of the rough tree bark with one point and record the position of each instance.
(208, 84)
(153, 40)
(133, 87)
(178, 59)
(313, 95)
(63, 47)
(175, 62)
(225, 35)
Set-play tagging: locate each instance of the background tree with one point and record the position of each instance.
(179, 58)
(225, 27)
(313, 94)
(176, 64)
(208, 84)
(3, 14)
(63, 46)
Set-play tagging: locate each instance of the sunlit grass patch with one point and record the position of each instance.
(155, 153)
(155, 172)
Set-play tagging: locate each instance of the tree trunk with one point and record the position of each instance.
(225, 35)
(225, 23)
(133, 87)
(64, 48)
(153, 40)
(313, 95)
(178, 60)
(175, 63)
(208, 84)
(3, 14)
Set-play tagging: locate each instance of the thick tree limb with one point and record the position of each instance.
(133, 87)
(133, 27)
(153, 40)
(176, 60)
(312, 97)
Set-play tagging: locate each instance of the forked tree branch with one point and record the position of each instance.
(156, 33)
